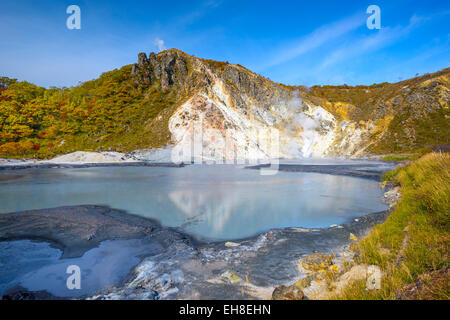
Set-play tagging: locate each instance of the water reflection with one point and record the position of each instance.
(216, 202)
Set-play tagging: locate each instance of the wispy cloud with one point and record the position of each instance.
(314, 40)
(198, 12)
(379, 40)
(213, 3)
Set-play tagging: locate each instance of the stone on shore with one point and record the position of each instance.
(317, 262)
(287, 293)
(230, 277)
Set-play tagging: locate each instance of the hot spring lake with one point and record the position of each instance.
(220, 202)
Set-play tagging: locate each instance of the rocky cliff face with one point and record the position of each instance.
(228, 112)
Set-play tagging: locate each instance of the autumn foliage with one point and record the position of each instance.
(40, 122)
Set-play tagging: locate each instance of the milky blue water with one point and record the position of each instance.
(37, 266)
(212, 202)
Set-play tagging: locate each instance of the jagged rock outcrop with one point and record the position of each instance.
(169, 69)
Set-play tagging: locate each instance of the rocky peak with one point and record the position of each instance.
(168, 67)
(174, 67)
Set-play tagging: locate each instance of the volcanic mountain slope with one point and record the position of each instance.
(228, 112)
(243, 110)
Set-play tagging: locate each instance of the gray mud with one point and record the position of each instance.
(89, 165)
(78, 229)
(172, 264)
(367, 171)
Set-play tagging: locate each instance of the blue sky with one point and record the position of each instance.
(293, 42)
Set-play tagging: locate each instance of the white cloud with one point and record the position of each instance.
(160, 44)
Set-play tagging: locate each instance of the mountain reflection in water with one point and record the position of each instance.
(219, 202)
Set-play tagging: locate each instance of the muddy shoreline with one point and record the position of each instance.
(89, 165)
(264, 261)
(77, 229)
(367, 171)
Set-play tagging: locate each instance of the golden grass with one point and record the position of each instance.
(414, 241)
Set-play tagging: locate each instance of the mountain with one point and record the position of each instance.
(165, 99)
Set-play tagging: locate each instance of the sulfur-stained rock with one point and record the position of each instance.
(317, 262)
(232, 244)
(287, 293)
(353, 237)
(305, 282)
(230, 277)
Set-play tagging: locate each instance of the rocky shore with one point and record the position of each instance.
(328, 274)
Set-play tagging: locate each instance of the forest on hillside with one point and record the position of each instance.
(39, 122)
